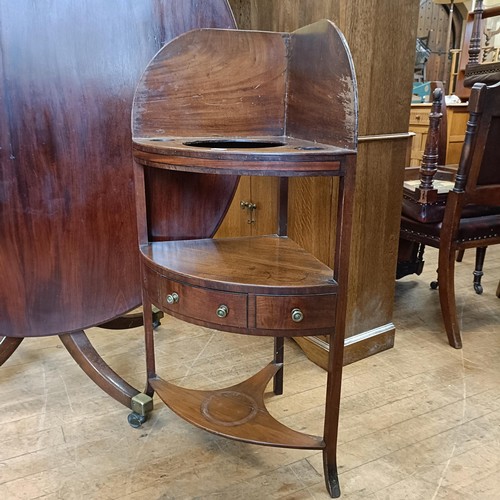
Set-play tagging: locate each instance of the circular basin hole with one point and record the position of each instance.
(234, 144)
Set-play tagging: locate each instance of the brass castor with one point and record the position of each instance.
(141, 404)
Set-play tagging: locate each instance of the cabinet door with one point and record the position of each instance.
(419, 124)
(242, 219)
(457, 123)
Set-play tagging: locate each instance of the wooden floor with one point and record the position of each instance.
(420, 421)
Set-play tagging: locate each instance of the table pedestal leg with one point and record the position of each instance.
(7, 347)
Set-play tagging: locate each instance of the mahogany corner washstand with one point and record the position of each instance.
(219, 103)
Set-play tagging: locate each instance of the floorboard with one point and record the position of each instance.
(420, 421)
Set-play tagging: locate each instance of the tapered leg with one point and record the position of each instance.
(7, 347)
(149, 343)
(332, 408)
(498, 290)
(331, 476)
(333, 387)
(336, 340)
(89, 360)
(279, 354)
(446, 273)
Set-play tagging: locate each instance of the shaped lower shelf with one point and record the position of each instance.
(237, 412)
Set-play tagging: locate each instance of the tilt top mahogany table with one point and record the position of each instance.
(68, 258)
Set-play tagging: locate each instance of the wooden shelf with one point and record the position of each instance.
(237, 412)
(260, 281)
(255, 263)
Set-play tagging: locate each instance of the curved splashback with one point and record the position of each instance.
(223, 83)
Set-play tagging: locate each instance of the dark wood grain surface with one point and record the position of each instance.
(68, 253)
(210, 65)
(261, 263)
(383, 52)
(237, 412)
(234, 88)
(255, 162)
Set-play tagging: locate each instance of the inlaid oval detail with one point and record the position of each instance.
(229, 408)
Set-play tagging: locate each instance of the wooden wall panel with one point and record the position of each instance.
(381, 36)
(377, 218)
(313, 205)
(433, 23)
(381, 48)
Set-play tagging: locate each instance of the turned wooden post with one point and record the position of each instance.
(426, 192)
(475, 40)
(469, 141)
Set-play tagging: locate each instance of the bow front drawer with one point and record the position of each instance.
(292, 312)
(206, 305)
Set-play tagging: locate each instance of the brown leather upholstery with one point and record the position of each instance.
(429, 213)
(470, 229)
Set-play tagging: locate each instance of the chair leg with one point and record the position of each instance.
(460, 255)
(333, 389)
(446, 278)
(478, 271)
(435, 284)
(498, 290)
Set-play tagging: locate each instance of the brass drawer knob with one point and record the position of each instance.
(172, 298)
(222, 311)
(297, 315)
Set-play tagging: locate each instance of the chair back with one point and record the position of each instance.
(478, 175)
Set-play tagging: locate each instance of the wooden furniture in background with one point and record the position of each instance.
(478, 66)
(456, 115)
(467, 214)
(441, 28)
(68, 257)
(212, 105)
(382, 51)
(473, 67)
(410, 254)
